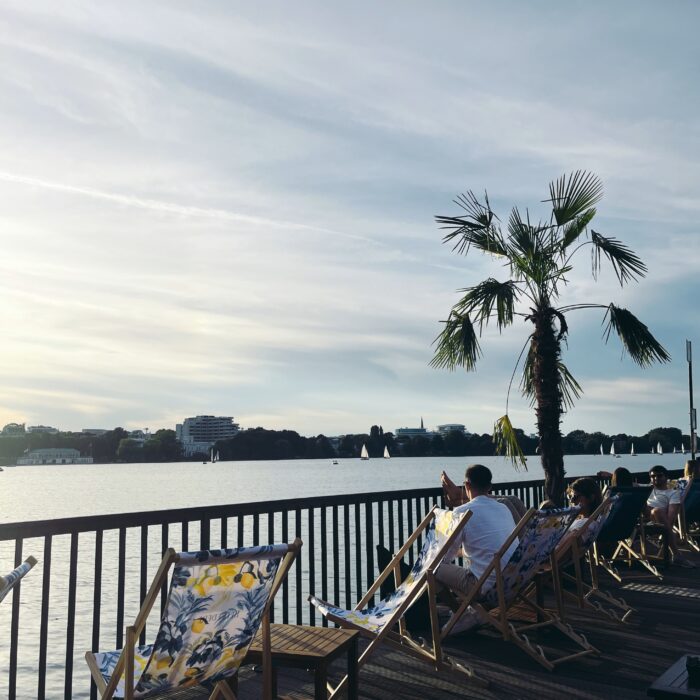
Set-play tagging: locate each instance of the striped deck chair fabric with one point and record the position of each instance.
(10, 580)
(214, 608)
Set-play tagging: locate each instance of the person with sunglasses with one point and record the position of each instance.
(663, 505)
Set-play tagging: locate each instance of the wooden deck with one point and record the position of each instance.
(634, 654)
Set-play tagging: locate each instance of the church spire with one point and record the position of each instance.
(421, 423)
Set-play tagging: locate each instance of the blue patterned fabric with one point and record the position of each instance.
(11, 579)
(593, 530)
(538, 540)
(374, 619)
(214, 609)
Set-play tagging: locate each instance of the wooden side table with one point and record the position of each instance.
(673, 683)
(300, 646)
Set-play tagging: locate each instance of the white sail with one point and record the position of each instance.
(217, 456)
(386, 453)
(659, 450)
(674, 450)
(211, 455)
(364, 454)
(632, 452)
(601, 449)
(612, 449)
(682, 448)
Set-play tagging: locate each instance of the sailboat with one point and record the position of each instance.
(659, 449)
(364, 454)
(632, 452)
(674, 450)
(602, 452)
(682, 449)
(386, 453)
(612, 451)
(217, 456)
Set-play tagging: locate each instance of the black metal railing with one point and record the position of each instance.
(94, 571)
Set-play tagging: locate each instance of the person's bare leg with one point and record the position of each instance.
(453, 493)
(673, 509)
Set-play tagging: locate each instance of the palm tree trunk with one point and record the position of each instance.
(545, 349)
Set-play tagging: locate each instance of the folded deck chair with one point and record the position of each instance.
(538, 533)
(580, 549)
(8, 582)
(620, 532)
(217, 601)
(689, 514)
(440, 530)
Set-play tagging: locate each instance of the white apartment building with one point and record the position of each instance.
(199, 433)
(446, 428)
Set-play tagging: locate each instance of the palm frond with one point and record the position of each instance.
(482, 298)
(571, 195)
(636, 338)
(521, 236)
(457, 344)
(576, 227)
(626, 263)
(476, 227)
(506, 441)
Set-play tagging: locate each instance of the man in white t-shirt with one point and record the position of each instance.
(485, 532)
(663, 505)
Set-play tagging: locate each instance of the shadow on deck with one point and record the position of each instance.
(665, 626)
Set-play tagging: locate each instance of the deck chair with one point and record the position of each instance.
(620, 532)
(8, 582)
(689, 513)
(440, 530)
(581, 549)
(216, 603)
(538, 534)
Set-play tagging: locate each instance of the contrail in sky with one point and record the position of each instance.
(178, 209)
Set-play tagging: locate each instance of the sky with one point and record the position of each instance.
(228, 207)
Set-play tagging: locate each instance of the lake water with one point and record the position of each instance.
(41, 492)
(57, 491)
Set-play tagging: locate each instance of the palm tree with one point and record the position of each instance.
(538, 258)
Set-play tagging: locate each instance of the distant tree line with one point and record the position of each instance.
(261, 444)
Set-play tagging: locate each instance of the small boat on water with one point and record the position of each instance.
(602, 451)
(335, 462)
(659, 449)
(364, 454)
(632, 452)
(386, 453)
(612, 451)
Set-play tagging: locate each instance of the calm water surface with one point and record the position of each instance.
(41, 492)
(57, 491)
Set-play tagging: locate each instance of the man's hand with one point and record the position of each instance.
(454, 495)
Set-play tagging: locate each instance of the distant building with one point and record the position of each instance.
(42, 429)
(447, 428)
(412, 432)
(94, 431)
(198, 434)
(54, 455)
(13, 430)
(139, 436)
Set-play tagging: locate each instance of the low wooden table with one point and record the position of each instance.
(673, 683)
(309, 647)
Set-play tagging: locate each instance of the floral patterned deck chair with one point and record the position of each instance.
(8, 582)
(689, 513)
(582, 548)
(538, 533)
(217, 601)
(440, 530)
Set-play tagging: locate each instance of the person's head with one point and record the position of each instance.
(621, 477)
(692, 469)
(477, 480)
(658, 475)
(586, 494)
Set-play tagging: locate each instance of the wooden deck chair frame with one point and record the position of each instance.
(589, 596)
(432, 654)
(226, 689)
(7, 586)
(625, 553)
(498, 618)
(681, 528)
